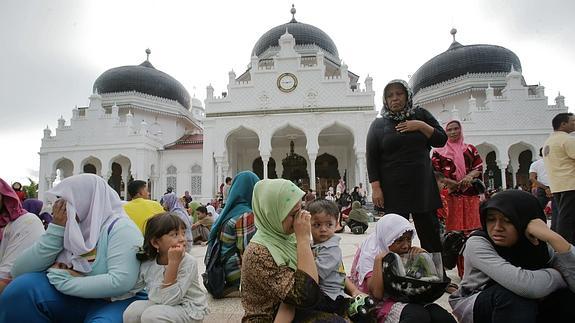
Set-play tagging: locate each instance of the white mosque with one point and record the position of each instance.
(298, 110)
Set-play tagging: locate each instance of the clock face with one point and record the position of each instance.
(287, 82)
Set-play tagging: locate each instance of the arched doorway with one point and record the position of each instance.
(492, 175)
(89, 168)
(326, 170)
(295, 168)
(258, 168)
(63, 168)
(120, 175)
(525, 158)
(336, 143)
(92, 165)
(242, 148)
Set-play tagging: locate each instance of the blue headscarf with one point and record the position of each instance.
(239, 201)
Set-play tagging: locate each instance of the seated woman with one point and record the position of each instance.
(19, 229)
(278, 266)
(83, 268)
(516, 268)
(393, 233)
(36, 206)
(357, 218)
(234, 228)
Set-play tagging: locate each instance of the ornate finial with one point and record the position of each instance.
(293, 11)
(148, 52)
(453, 32)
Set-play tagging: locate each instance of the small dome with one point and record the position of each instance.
(143, 78)
(459, 60)
(304, 34)
(197, 103)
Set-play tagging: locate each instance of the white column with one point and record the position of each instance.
(312, 179)
(125, 179)
(362, 168)
(265, 160)
(503, 168)
(219, 170)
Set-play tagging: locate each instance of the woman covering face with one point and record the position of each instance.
(398, 163)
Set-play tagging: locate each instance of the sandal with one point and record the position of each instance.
(451, 288)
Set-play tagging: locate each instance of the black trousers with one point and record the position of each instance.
(353, 223)
(565, 225)
(427, 227)
(496, 304)
(430, 313)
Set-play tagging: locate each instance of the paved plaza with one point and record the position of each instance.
(230, 309)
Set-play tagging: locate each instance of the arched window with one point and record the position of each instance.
(171, 178)
(196, 180)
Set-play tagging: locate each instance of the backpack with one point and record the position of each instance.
(453, 244)
(214, 278)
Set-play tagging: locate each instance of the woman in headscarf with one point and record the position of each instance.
(172, 204)
(357, 217)
(398, 163)
(212, 212)
(393, 233)
(278, 265)
(19, 229)
(460, 163)
(234, 228)
(35, 206)
(17, 187)
(516, 268)
(84, 267)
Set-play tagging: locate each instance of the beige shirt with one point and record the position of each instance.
(559, 157)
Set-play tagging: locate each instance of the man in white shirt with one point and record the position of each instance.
(559, 156)
(538, 176)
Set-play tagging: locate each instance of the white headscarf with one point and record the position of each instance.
(89, 198)
(212, 210)
(388, 229)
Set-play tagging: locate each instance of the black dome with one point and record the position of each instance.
(143, 78)
(303, 34)
(459, 60)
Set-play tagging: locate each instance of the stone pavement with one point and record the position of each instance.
(230, 309)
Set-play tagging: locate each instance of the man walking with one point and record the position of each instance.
(559, 159)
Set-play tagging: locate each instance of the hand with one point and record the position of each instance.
(176, 254)
(537, 230)
(415, 250)
(302, 225)
(409, 126)
(377, 196)
(381, 255)
(465, 182)
(59, 265)
(59, 213)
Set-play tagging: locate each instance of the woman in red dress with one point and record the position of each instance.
(461, 164)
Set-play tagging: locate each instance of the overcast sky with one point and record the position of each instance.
(52, 51)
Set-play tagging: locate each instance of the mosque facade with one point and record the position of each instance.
(298, 110)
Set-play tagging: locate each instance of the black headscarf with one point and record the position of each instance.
(520, 208)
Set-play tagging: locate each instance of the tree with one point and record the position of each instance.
(32, 189)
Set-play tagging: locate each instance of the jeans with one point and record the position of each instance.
(496, 304)
(31, 298)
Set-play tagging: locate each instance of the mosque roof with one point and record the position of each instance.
(304, 34)
(143, 78)
(187, 141)
(460, 59)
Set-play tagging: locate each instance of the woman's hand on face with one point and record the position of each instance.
(537, 230)
(176, 254)
(409, 126)
(377, 196)
(302, 225)
(59, 213)
(381, 255)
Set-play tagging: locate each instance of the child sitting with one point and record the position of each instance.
(169, 274)
(393, 233)
(327, 254)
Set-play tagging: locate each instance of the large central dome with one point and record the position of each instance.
(459, 60)
(304, 34)
(143, 78)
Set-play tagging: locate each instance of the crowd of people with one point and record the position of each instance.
(88, 256)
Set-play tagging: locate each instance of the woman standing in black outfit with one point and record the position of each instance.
(399, 164)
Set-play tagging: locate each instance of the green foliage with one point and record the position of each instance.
(32, 189)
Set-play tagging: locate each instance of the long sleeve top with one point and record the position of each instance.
(186, 292)
(483, 264)
(114, 271)
(401, 163)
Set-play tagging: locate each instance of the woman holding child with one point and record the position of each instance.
(516, 268)
(278, 265)
(393, 233)
(84, 267)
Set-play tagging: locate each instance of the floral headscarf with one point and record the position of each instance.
(407, 111)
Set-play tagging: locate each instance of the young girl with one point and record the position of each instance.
(393, 233)
(169, 274)
(516, 268)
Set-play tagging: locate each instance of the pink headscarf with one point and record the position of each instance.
(12, 207)
(454, 150)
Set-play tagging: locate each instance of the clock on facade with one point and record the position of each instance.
(287, 82)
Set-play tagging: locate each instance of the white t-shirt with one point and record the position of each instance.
(538, 167)
(18, 235)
